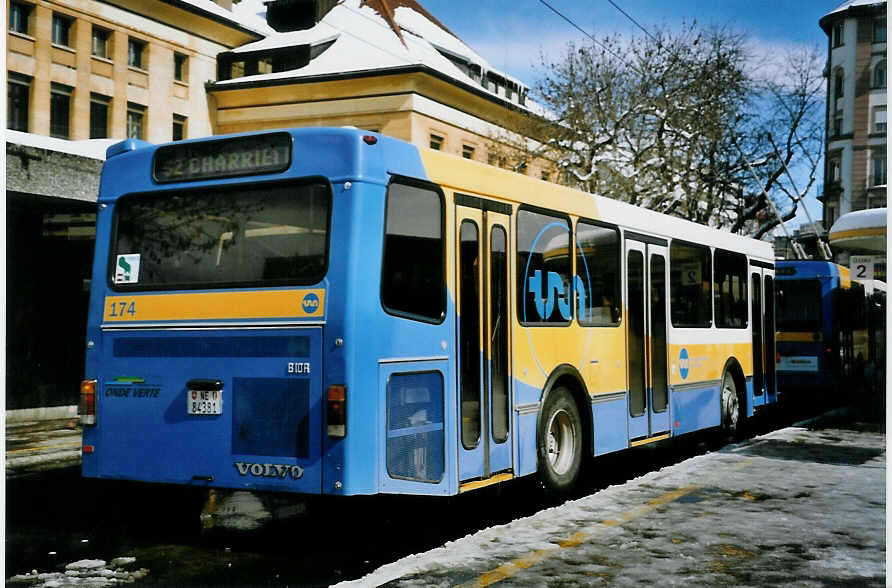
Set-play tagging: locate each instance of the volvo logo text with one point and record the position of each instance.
(269, 470)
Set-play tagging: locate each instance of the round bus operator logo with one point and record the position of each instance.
(310, 303)
(684, 363)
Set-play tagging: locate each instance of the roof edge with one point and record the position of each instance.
(850, 11)
(407, 69)
(219, 19)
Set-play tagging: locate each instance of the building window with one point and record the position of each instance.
(879, 119)
(18, 95)
(833, 173)
(61, 30)
(99, 116)
(60, 111)
(179, 127)
(837, 124)
(180, 70)
(838, 81)
(100, 42)
(879, 169)
(467, 151)
(135, 51)
(879, 75)
(135, 116)
(436, 142)
(879, 30)
(18, 17)
(838, 30)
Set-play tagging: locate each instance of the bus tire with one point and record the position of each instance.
(731, 406)
(559, 442)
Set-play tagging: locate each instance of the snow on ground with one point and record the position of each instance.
(794, 506)
(85, 572)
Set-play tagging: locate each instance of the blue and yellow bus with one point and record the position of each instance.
(831, 328)
(336, 312)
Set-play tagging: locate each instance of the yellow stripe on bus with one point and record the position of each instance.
(806, 337)
(258, 304)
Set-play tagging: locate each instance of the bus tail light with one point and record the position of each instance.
(87, 408)
(337, 411)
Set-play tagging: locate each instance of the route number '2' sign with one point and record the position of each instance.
(861, 267)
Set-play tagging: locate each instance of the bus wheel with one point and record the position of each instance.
(730, 406)
(559, 442)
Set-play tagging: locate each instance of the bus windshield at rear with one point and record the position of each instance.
(798, 305)
(214, 238)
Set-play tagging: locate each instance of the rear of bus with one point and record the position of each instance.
(215, 342)
(807, 348)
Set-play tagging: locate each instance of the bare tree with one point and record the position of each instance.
(785, 142)
(676, 121)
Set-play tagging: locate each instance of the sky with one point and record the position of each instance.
(512, 34)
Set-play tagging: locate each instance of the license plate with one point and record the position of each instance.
(204, 402)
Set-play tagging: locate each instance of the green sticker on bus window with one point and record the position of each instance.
(127, 269)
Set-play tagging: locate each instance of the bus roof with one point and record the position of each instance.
(793, 269)
(483, 180)
(339, 154)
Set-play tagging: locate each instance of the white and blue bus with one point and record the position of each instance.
(335, 312)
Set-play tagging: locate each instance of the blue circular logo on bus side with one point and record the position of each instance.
(684, 363)
(310, 303)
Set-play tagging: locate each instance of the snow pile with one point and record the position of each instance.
(86, 572)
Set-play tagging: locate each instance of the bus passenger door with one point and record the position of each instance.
(764, 380)
(757, 322)
(647, 345)
(484, 382)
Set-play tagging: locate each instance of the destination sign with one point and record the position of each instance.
(223, 158)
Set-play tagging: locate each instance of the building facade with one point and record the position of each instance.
(855, 156)
(93, 70)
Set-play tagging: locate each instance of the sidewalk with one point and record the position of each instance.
(801, 506)
(37, 446)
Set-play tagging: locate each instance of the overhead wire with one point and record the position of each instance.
(635, 22)
(583, 31)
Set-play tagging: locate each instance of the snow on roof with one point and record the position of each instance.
(871, 218)
(246, 17)
(854, 3)
(366, 41)
(92, 148)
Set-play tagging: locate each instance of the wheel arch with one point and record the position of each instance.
(567, 376)
(733, 367)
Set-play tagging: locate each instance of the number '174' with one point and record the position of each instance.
(122, 308)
